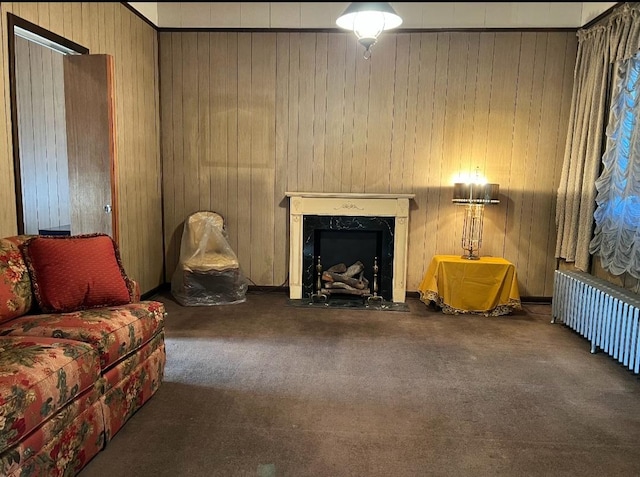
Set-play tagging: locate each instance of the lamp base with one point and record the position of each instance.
(470, 257)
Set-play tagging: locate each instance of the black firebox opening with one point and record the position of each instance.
(340, 239)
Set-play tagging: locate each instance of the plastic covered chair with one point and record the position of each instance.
(208, 272)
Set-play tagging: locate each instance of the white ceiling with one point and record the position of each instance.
(322, 15)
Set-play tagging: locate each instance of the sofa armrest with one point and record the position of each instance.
(134, 290)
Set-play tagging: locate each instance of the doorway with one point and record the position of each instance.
(63, 134)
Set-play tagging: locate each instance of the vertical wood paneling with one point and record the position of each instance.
(380, 126)
(28, 11)
(40, 161)
(292, 74)
(332, 179)
(26, 139)
(8, 220)
(438, 219)
(513, 185)
(54, 163)
(305, 112)
(360, 123)
(454, 101)
(531, 159)
(501, 117)
(56, 17)
(68, 19)
(207, 171)
(167, 148)
(551, 99)
(106, 28)
(422, 94)
(348, 124)
(453, 52)
(408, 133)
(399, 119)
(190, 139)
(281, 218)
(244, 145)
(126, 169)
(86, 28)
(76, 23)
(503, 114)
(175, 212)
(43, 15)
(263, 203)
(213, 112)
(231, 106)
(319, 112)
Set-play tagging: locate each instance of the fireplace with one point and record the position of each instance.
(345, 229)
(349, 240)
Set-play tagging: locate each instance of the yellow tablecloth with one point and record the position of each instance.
(487, 286)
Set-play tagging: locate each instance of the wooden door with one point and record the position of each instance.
(90, 118)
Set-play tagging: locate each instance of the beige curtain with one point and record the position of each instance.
(598, 47)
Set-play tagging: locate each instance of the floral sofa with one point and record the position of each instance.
(78, 354)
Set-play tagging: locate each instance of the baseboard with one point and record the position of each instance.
(285, 290)
(155, 291)
(268, 288)
(536, 299)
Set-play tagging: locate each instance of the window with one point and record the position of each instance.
(617, 217)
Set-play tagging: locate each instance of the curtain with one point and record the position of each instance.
(598, 47)
(617, 234)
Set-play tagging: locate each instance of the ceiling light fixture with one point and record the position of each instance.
(368, 20)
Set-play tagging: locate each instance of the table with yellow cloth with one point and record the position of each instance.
(487, 286)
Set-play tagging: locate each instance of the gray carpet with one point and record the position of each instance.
(262, 389)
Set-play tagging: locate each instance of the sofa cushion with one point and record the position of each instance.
(15, 284)
(114, 331)
(38, 377)
(75, 273)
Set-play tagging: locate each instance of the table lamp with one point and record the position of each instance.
(474, 196)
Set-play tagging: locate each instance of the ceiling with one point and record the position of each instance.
(322, 15)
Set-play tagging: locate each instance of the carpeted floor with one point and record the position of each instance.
(263, 389)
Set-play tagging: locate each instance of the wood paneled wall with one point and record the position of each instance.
(247, 116)
(113, 29)
(42, 136)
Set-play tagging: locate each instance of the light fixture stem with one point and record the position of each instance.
(472, 230)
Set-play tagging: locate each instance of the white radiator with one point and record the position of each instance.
(605, 314)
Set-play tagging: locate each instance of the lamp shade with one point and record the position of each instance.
(464, 193)
(368, 19)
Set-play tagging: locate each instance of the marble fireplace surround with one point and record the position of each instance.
(349, 205)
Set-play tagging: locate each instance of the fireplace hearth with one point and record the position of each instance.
(339, 230)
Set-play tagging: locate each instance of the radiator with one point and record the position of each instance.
(603, 313)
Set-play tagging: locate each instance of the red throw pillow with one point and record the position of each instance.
(75, 273)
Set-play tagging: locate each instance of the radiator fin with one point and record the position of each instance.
(603, 313)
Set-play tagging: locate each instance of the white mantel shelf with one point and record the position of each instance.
(350, 195)
(349, 204)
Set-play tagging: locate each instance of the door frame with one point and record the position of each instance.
(13, 21)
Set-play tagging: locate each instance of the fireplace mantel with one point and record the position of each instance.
(352, 205)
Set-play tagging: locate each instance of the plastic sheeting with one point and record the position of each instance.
(208, 272)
